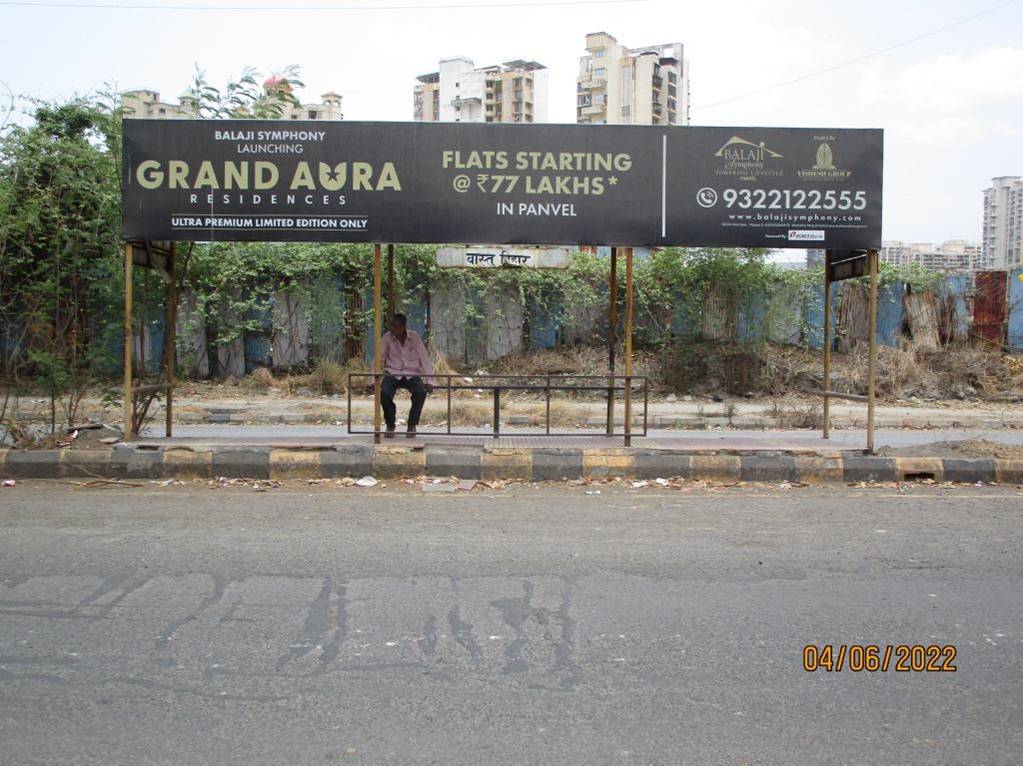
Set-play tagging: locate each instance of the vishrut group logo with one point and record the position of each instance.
(824, 168)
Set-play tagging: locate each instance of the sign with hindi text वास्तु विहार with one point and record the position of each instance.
(644, 186)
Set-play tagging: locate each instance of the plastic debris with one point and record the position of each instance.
(9, 482)
(366, 481)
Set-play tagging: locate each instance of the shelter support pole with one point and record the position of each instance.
(170, 339)
(391, 308)
(872, 345)
(129, 431)
(377, 332)
(628, 347)
(612, 336)
(827, 344)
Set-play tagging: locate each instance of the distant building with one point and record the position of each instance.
(632, 86)
(514, 92)
(1002, 246)
(953, 255)
(145, 103)
(815, 259)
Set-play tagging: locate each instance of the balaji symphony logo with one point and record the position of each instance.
(746, 159)
(824, 168)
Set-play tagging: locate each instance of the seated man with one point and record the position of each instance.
(406, 362)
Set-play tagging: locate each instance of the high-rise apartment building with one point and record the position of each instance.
(1002, 239)
(957, 255)
(635, 86)
(146, 103)
(513, 92)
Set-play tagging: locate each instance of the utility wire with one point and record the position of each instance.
(248, 8)
(856, 60)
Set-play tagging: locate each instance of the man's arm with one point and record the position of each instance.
(426, 364)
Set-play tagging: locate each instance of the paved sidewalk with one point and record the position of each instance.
(778, 439)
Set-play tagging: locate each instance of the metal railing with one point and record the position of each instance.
(610, 386)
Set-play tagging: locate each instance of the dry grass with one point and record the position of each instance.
(800, 414)
(961, 372)
(958, 372)
(325, 378)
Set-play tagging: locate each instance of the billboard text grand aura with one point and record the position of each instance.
(505, 184)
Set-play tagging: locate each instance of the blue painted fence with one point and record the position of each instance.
(752, 320)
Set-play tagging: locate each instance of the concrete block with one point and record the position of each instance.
(557, 464)
(87, 464)
(130, 462)
(660, 464)
(398, 462)
(294, 464)
(715, 467)
(1010, 471)
(241, 462)
(451, 461)
(767, 468)
(866, 468)
(970, 471)
(608, 463)
(507, 464)
(32, 464)
(355, 461)
(187, 464)
(818, 470)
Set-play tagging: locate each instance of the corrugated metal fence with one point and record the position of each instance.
(325, 321)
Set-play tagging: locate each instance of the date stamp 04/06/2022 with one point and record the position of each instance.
(877, 658)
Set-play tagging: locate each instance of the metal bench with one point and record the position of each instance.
(609, 385)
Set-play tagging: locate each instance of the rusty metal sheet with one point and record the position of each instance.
(853, 316)
(1015, 331)
(954, 321)
(922, 313)
(718, 320)
(989, 308)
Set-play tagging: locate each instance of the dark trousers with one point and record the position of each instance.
(389, 387)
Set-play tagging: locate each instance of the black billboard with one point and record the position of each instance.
(280, 180)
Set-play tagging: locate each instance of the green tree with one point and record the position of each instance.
(59, 225)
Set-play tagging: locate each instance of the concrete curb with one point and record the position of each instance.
(126, 461)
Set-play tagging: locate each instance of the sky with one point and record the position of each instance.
(951, 104)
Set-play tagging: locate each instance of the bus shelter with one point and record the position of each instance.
(623, 186)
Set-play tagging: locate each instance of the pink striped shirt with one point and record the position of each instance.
(408, 359)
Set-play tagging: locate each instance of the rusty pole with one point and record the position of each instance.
(377, 332)
(128, 407)
(390, 281)
(872, 345)
(628, 346)
(612, 337)
(170, 340)
(827, 344)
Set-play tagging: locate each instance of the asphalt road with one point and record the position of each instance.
(307, 625)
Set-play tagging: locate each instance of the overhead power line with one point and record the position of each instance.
(856, 60)
(332, 8)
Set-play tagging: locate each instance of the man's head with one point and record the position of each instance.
(397, 324)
